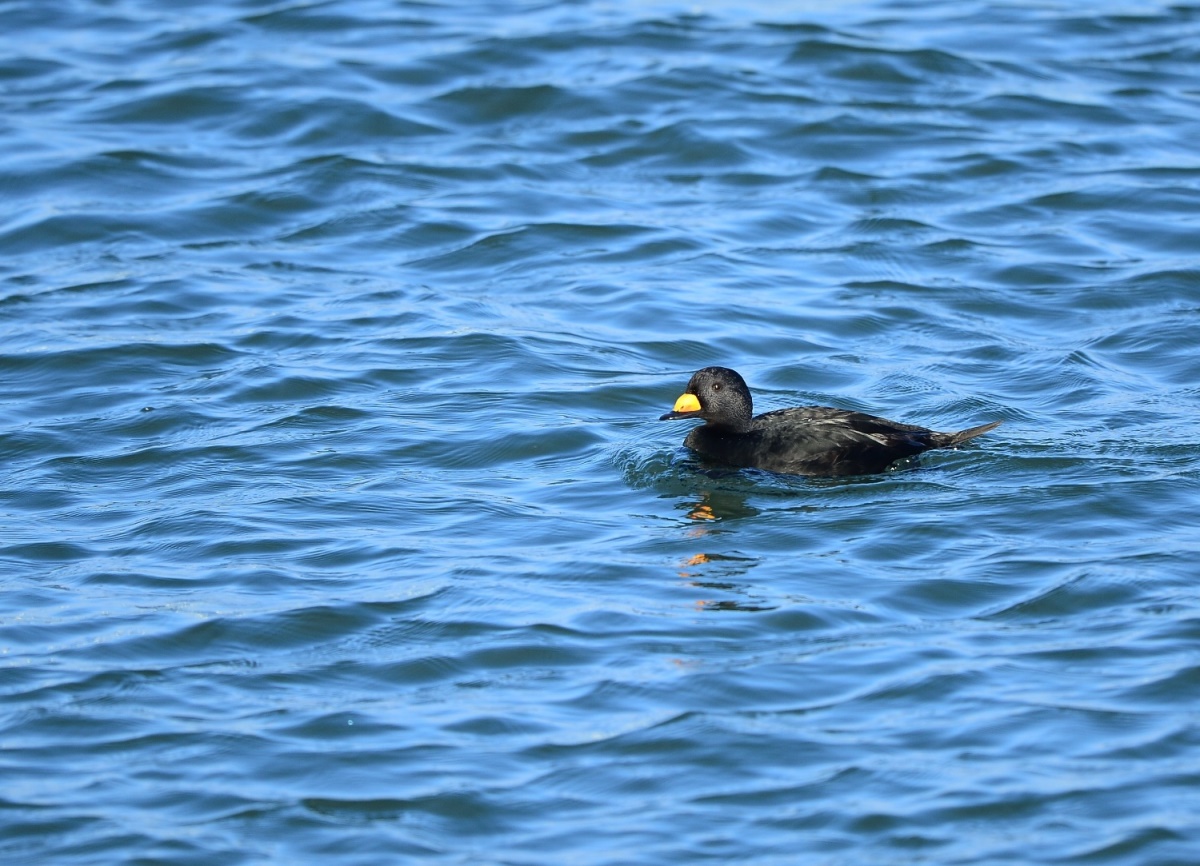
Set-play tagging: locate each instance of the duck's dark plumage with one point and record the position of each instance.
(809, 440)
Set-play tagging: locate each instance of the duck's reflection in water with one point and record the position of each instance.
(718, 571)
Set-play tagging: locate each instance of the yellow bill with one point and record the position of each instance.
(686, 403)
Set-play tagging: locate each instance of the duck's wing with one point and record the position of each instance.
(838, 425)
(820, 440)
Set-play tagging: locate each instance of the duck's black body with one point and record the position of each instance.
(810, 440)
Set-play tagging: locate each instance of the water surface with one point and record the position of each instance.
(337, 525)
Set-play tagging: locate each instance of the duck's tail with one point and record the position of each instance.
(949, 440)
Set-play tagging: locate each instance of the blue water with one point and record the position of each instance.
(337, 524)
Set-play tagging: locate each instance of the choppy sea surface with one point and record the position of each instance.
(336, 524)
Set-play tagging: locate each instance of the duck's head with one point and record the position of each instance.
(717, 395)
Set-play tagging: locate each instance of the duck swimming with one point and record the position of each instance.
(807, 440)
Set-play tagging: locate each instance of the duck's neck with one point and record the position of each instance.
(729, 425)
